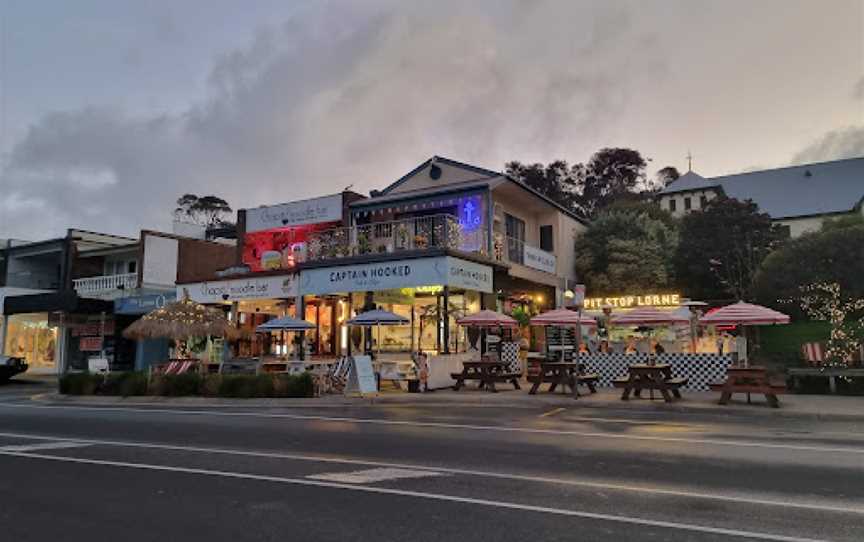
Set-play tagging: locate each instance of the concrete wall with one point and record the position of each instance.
(42, 272)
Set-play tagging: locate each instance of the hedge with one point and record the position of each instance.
(184, 385)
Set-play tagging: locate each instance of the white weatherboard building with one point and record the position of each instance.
(798, 197)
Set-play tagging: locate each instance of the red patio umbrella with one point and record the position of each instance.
(649, 316)
(562, 317)
(744, 314)
(487, 318)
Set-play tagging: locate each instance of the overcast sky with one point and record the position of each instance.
(110, 110)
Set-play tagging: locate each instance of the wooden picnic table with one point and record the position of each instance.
(642, 376)
(748, 380)
(487, 373)
(564, 374)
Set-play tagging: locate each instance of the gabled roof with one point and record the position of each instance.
(795, 191)
(493, 178)
(687, 182)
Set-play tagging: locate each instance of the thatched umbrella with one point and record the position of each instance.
(181, 320)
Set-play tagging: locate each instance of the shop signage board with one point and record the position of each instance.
(90, 344)
(143, 303)
(219, 291)
(362, 378)
(579, 295)
(442, 270)
(295, 213)
(539, 259)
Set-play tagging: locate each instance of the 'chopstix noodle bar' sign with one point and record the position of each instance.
(626, 301)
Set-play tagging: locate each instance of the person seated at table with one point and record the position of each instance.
(631, 345)
(658, 348)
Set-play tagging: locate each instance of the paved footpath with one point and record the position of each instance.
(414, 470)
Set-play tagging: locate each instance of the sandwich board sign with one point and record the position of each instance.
(362, 376)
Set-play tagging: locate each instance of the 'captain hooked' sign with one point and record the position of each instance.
(442, 270)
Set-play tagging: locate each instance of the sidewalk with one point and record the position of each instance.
(814, 407)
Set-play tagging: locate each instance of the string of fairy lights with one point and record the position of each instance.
(824, 301)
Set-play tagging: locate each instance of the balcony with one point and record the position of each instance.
(412, 234)
(516, 251)
(106, 286)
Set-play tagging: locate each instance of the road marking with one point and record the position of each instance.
(59, 445)
(552, 412)
(469, 427)
(733, 498)
(371, 476)
(424, 495)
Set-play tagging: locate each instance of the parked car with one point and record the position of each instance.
(10, 367)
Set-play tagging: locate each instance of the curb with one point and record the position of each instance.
(490, 401)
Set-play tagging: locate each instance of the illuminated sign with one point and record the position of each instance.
(220, 291)
(626, 301)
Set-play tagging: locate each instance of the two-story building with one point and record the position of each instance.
(66, 300)
(799, 198)
(444, 240)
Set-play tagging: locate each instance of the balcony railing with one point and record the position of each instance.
(106, 286)
(421, 233)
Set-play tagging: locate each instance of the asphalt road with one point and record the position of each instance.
(144, 473)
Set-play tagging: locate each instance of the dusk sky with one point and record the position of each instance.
(111, 109)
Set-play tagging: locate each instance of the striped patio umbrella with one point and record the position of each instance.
(563, 317)
(744, 314)
(649, 316)
(487, 318)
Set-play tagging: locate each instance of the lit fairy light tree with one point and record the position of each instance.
(823, 301)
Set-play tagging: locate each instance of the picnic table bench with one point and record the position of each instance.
(748, 380)
(487, 373)
(650, 377)
(564, 374)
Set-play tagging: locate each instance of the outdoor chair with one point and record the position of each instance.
(813, 354)
(175, 367)
(240, 366)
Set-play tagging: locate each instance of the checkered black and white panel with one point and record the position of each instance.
(610, 365)
(510, 356)
(699, 369)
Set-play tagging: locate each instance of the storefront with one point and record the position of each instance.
(138, 355)
(430, 292)
(249, 302)
(57, 331)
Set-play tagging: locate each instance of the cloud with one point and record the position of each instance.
(858, 90)
(835, 145)
(339, 95)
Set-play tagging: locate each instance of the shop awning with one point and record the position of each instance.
(66, 301)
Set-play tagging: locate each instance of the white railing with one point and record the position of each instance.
(106, 285)
(420, 233)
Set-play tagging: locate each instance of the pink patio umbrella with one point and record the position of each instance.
(562, 317)
(487, 318)
(565, 318)
(649, 316)
(744, 314)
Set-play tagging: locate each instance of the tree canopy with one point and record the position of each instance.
(834, 254)
(627, 248)
(611, 174)
(203, 210)
(722, 247)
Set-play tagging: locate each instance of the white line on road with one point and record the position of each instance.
(59, 445)
(733, 498)
(470, 427)
(371, 476)
(423, 495)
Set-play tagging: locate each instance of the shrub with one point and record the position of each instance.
(294, 385)
(79, 383)
(125, 384)
(176, 385)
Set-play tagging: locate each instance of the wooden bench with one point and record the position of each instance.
(796, 374)
(650, 377)
(486, 373)
(748, 380)
(564, 374)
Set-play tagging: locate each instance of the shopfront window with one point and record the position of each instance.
(515, 239)
(30, 337)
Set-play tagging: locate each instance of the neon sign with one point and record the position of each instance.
(470, 213)
(626, 301)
